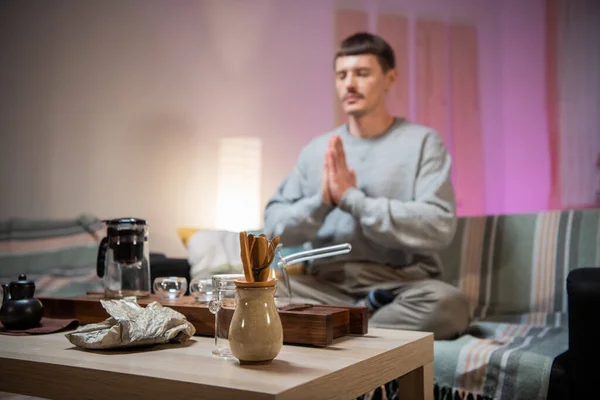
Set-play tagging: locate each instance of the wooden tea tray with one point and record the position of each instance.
(315, 325)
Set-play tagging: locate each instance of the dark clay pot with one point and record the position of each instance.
(20, 310)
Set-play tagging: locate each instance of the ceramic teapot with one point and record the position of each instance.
(20, 310)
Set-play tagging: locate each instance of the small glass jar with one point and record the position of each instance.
(223, 305)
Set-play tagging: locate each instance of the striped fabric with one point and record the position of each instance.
(58, 255)
(513, 270)
(498, 361)
(517, 264)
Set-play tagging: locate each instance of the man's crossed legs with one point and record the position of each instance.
(407, 300)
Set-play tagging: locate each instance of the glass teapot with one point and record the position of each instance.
(124, 259)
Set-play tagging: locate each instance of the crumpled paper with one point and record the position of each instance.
(132, 325)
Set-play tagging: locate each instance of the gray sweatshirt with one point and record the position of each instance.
(401, 213)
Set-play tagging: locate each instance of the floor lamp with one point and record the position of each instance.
(239, 184)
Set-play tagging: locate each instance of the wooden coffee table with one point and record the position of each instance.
(50, 366)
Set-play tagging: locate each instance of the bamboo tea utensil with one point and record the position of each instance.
(257, 253)
(265, 273)
(250, 249)
(271, 247)
(274, 243)
(264, 249)
(256, 257)
(261, 252)
(245, 256)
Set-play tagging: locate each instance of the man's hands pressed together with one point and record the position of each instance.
(337, 177)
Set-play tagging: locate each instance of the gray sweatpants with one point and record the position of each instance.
(420, 303)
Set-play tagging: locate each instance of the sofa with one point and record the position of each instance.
(60, 255)
(514, 270)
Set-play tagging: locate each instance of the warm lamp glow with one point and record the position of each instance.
(239, 180)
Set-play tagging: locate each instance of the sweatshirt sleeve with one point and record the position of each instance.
(290, 213)
(428, 222)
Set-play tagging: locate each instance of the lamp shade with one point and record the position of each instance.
(239, 183)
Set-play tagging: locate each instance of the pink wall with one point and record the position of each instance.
(524, 119)
(511, 57)
(125, 121)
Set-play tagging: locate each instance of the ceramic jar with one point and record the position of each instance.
(255, 332)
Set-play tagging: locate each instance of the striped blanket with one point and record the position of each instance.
(58, 255)
(496, 360)
(513, 268)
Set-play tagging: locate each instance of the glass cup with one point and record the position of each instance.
(278, 271)
(201, 289)
(170, 287)
(223, 305)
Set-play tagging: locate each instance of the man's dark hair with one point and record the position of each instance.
(367, 43)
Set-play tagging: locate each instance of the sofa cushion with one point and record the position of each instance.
(218, 251)
(515, 264)
(499, 360)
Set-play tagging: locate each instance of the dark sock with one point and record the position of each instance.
(378, 298)
(383, 297)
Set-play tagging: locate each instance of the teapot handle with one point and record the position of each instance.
(101, 260)
(5, 293)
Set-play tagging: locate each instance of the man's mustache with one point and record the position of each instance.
(353, 94)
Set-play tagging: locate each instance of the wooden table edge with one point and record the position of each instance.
(83, 382)
(42, 381)
(417, 375)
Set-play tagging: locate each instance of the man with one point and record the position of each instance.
(382, 184)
